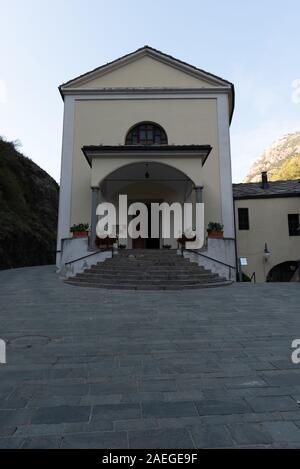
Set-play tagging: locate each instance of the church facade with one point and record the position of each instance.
(156, 129)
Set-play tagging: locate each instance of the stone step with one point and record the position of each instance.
(145, 257)
(150, 258)
(152, 270)
(113, 286)
(147, 270)
(145, 279)
(125, 265)
(147, 264)
(128, 264)
(160, 254)
(135, 276)
(151, 281)
(148, 252)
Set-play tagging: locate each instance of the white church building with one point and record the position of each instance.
(156, 129)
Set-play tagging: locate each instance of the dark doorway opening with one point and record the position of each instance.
(284, 272)
(147, 243)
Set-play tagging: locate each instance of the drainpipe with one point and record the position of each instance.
(237, 264)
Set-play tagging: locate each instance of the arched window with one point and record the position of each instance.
(146, 134)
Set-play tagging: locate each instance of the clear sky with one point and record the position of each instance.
(255, 44)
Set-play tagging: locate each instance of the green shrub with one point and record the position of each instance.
(28, 208)
(214, 226)
(79, 227)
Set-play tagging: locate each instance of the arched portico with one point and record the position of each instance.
(147, 182)
(146, 174)
(187, 162)
(178, 168)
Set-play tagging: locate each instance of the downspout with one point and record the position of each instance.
(235, 243)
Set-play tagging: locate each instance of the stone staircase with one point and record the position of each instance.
(153, 269)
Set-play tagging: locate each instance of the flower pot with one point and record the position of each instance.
(80, 234)
(215, 234)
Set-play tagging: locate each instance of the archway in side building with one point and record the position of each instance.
(148, 182)
(285, 272)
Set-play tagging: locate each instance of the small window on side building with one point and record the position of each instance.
(294, 226)
(243, 215)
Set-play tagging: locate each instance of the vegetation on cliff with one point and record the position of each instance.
(28, 210)
(278, 160)
(290, 169)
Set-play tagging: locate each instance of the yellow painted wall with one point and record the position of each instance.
(268, 219)
(186, 121)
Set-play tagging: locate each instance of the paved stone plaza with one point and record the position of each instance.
(90, 368)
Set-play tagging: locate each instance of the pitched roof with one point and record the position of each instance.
(254, 190)
(199, 73)
(147, 50)
(196, 72)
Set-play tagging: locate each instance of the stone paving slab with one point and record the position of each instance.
(89, 368)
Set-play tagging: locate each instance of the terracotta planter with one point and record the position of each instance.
(215, 234)
(80, 234)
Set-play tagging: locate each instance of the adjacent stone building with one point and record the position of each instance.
(267, 218)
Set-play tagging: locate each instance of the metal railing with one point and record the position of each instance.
(91, 254)
(253, 277)
(210, 258)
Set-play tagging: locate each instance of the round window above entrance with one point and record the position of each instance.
(146, 133)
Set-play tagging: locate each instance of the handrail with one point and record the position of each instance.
(91, 254)
(253, 276)
(210, 258)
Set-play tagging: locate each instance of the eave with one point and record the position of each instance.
(153, 151)
(268, 196)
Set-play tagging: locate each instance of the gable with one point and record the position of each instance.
(145, 72)
(146, 68)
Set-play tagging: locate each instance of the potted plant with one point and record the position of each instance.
(80, 230)
(215, 230)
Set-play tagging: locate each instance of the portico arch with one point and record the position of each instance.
(147, 182)
(177, 166)
(158, 171)
(102, 168)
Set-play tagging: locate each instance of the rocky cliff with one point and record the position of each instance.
(274, 157)
(28, 211)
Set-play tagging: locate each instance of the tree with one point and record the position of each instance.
(290, 169)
